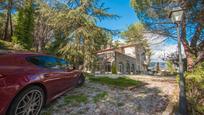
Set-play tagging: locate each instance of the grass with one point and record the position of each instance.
(121, 82)
(75, 99)
(100, 96)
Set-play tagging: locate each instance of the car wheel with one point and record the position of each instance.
(28, 102)
(81, 80)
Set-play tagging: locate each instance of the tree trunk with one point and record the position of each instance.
(187, 50)
(39, 48)
(200, 57)
(8, 21)
(6, 26)
(11, 26)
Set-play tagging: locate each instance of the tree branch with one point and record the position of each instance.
(196, 36)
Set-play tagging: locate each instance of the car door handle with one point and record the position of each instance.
(47, 75)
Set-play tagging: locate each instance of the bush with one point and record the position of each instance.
(170, 67)
(114, 69)
(5, 44)
(10, 46)
(195, 90)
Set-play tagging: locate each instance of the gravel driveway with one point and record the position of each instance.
(151, 98)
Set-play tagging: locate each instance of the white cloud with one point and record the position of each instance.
(158, 45)
(154, 38)
(159, 48)
(162, 50)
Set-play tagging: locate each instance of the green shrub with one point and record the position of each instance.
(10, 45)
(195, 90)
(170, 67)
(114, 69)
(5, 44)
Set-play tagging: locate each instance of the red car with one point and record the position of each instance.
(30, 80)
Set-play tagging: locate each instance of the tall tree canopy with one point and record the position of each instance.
(154, 14)
(67, 28)
(25, 25)
(78, 29)
(135, 35)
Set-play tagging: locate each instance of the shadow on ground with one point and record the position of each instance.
(142, 100)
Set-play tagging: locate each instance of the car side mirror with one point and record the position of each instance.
(71, 68)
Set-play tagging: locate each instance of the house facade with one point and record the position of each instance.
(126, 59)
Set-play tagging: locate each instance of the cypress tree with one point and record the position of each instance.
(25, 26)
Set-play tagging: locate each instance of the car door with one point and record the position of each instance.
(59, 78)
(51, 73)
(68, 73)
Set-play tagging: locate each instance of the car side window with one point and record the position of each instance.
(48, 62)
(62, 63)
(44, 61)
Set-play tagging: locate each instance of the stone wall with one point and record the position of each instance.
(126, 64)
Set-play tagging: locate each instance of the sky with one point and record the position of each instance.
(123, 9)
(127, 17)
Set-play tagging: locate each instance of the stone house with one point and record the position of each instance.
(127, 59)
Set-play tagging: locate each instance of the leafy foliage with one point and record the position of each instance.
(65, 28)
(195, 90)
(10, 46)
(77, 36)
(25, 26)
(135, 35)
(154, 14)
(170, 67)
(114, 69)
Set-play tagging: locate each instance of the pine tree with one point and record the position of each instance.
(25, 26)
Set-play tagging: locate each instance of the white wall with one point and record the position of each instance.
(130, 51)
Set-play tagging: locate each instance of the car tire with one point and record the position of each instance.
(30, 101)
(81, 80)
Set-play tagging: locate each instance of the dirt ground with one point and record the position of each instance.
(151, 98)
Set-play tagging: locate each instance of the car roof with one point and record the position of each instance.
(24, 53)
